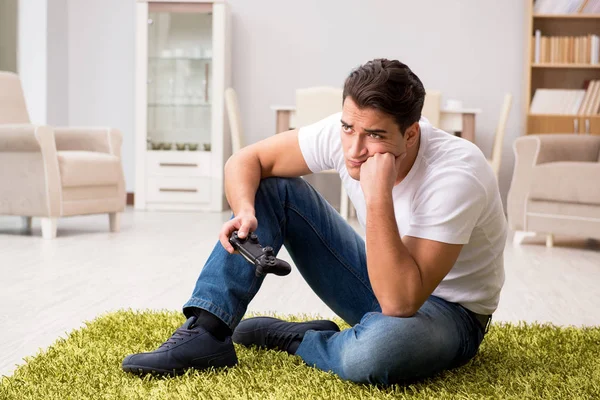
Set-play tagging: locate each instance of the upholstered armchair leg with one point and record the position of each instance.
(549, 240)
(26, 223)
(520, 236)
(49, 226)
(115, 221)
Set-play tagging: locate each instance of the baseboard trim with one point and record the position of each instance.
(130, 198)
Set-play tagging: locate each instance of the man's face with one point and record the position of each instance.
(365, 132)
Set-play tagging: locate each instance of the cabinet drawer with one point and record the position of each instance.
(178, 189)
(176, 163)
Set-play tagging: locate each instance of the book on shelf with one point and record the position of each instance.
(566, 7)
(581, 102)
(592, 7)
(592, 107)
(566, 49)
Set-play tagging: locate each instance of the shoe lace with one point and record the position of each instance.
(280, 340)
(177, 337)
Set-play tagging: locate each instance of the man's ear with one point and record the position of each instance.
(411, 135)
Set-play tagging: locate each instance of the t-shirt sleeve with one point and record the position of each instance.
(447, 208)
(319, 141)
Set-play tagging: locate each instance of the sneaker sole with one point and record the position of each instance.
(141, 370)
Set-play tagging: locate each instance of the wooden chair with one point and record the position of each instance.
(235, 119)
(314, 104)
(432, 107)
(496, 159)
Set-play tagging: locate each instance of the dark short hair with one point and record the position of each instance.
(389, 86)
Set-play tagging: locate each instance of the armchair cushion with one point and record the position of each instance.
(567, 147)
(567, 181)
(88, 168)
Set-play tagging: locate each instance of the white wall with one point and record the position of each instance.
(57, 112)
(471, 50)
(8, 35)
(32, 57)
(42, 59)
(101, 52)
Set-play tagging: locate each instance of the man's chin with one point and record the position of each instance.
(353, 172)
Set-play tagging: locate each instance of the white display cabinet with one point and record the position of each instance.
(182, 70)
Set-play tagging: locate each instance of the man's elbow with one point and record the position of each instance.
(399, 311)
(243, 159)
(230, 163)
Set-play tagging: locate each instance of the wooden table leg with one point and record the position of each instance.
(468, 127)
(282, 121)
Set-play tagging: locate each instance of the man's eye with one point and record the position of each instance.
(346, 128)
(375, 136)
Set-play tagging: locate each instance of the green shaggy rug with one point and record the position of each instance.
(514, 362)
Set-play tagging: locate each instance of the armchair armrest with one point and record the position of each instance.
(567, 147)
(102, 140)
(29, 175)
(23, 138)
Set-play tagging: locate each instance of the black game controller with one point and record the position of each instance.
(262, 257)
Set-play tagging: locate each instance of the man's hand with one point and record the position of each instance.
(244, 222)
(378, 174)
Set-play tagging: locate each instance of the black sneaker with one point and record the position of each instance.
(273, 333)
(189, 347)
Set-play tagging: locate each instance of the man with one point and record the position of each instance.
(418, 294)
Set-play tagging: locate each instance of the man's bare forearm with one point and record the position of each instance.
(393, 273)
(242, 178)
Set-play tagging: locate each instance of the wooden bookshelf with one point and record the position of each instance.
(567, 16)
(546, 75)
(549, 123)
(574, 66)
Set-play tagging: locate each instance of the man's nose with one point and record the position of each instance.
(357, 148)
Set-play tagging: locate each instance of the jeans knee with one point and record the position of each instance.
(275, 183)
(284, 188)
(267, 185)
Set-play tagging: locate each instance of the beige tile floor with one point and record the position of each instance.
(48, 288)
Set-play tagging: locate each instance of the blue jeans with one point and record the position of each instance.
(331, 257)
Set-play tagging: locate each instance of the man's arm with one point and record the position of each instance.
(403, 271)
(278, 155)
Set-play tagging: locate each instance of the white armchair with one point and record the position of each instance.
(56, 172)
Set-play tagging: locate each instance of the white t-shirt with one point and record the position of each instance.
(450, 195)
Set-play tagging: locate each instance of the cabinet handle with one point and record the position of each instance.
(178, 165)
(150, 21)
(575, 125)
(587, 126)
(178, 190)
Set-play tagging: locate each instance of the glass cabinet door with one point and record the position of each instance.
(179, 77)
